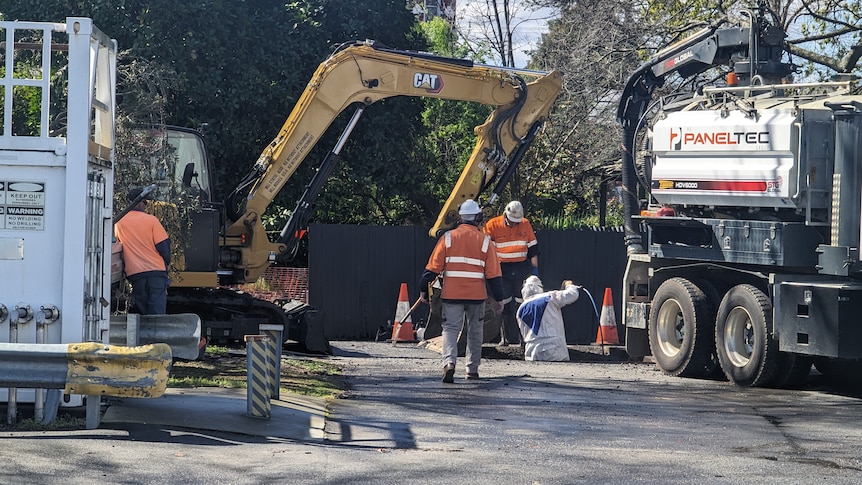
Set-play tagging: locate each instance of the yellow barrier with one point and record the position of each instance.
(97, 369)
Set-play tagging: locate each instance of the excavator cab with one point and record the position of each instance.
(178, 166)
(182, 163)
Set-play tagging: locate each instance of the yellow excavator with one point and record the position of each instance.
(227, 242)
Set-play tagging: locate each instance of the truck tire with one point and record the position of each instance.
(680, 329)
(748, 356)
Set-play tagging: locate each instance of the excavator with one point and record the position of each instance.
(227, 243)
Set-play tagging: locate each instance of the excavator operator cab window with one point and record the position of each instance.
(190, 171)
(174, 159)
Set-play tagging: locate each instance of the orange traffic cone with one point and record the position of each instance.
(607, 334)
(405, 334)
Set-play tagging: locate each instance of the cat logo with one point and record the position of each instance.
(665, 184)
(431, 83)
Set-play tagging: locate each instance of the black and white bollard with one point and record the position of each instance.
(257, 376)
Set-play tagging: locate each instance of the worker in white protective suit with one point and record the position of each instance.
(540, 319)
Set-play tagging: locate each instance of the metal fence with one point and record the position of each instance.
(355, 274)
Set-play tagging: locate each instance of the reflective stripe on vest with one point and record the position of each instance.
(464, 260)
(512, 250)
(464, 274)
(485, 243)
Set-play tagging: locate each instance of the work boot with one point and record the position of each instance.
(472, 375)
(449, 373)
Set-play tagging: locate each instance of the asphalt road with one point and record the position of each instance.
(522, 423)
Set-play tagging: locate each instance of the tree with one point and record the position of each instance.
(598, 44)
(243, 80)
(594, 43)
(497, 28)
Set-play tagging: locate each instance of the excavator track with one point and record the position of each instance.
(227, 315)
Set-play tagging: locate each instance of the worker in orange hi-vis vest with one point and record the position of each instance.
(146, 256)
(467, 260)
(518, 252)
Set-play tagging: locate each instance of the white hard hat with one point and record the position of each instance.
(515, 211)
(469, 208)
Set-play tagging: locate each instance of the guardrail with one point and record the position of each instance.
(87, 368)
(182, 331)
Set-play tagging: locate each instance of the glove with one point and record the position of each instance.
(535, 271)
(424, 297)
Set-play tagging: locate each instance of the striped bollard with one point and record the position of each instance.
(274, 332)
(257, 376)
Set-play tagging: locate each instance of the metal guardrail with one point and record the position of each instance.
(87, 368)
(181, 331)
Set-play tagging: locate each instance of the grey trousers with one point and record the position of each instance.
(455, 317)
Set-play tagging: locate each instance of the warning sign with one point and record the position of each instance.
(22, 205)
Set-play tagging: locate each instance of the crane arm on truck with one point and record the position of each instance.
(360, 74)
(710, 47)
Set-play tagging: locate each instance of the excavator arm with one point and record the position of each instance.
(360, 74)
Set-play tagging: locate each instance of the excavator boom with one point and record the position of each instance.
(362, 74)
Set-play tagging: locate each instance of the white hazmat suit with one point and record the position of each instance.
(540, 320)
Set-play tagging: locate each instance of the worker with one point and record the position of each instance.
(467, 260)
(518, 252)
(540, 319)
(146, 256)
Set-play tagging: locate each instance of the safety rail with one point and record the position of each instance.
(181, 331)
(88, 368)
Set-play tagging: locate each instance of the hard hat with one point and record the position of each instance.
(469, 208)
(134, 194)
(515, 211)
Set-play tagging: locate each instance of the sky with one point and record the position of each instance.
(531, 25)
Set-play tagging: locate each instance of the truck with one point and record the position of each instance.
(227, 243)
(743, 204)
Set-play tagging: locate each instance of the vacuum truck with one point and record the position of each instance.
(743, 212)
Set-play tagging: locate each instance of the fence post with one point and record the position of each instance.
(257, 376)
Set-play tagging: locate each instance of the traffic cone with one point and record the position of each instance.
(607, 334)
(402, 309)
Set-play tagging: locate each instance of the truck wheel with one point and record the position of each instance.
(748, 356)
(680, 325)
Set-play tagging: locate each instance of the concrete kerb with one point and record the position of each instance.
(293, 417)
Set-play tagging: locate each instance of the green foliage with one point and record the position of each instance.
(145, 157)
(63, 421)
(443, 38)
(562, 220)
(243, 78)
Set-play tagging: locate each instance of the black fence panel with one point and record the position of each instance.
(594, 259)
(355, 275)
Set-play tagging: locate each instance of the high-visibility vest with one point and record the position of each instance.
(511, 242)
(140, 232)
(465, 259)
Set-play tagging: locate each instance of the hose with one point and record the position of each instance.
(595, 308)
